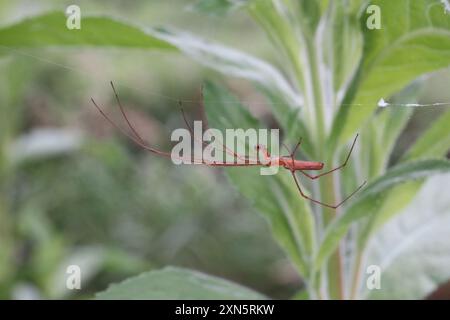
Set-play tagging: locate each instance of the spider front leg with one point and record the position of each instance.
(292, 153)
(313, 177)
(297, 183)
(319, 202)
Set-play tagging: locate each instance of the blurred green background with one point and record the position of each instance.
(74, 191)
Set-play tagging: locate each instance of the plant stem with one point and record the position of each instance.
(5, 221)
(306, 68)
(313, 90)
(356, 276)
(334, 269)
(327, 189)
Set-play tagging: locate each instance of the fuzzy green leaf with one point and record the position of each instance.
(50, 30)
(217, 7)
(414, 40)
(276, 196)
(412, 250)
(177, 284)
(369, 199)
(434, 142)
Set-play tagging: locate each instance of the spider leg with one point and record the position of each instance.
(122, 110)
(313, 177)
(296, 148)
(287, 149)
(136, 138)
(322, 203)
(297, 183)
(290, 152)
(133, 138)
(225, 149)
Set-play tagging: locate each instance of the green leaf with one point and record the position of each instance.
(400, 196)
(413, 249)
(177, 284)
(275, 19)
(414, 40)
(310, 11)
(395, 123)
(291, 121)
(289, 216)
(386, 208)
(232, 62)
(217, 7)
(370, 197)
(390, 122)
(276, 196)
(50, 30)
(342, 45)
(354, 6)
(435, 142)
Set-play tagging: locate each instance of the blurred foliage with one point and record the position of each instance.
(96, 199)
(100, 201)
